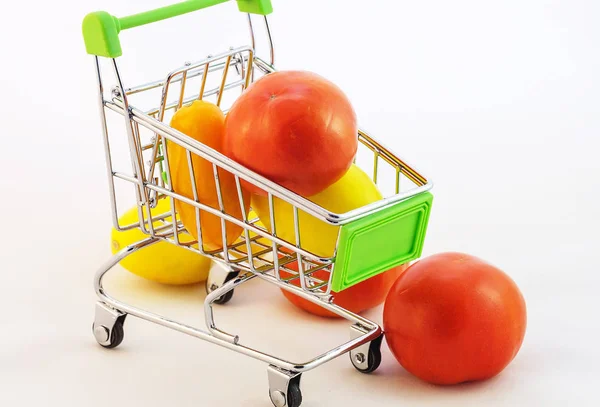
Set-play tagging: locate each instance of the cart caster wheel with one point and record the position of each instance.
(284, 388)
(108, 326)
(218, 276)
(294, 397)
(224, 299)
(106, 338)
(367, 358)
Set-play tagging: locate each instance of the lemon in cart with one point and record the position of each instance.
(161, 262)
(353, 190)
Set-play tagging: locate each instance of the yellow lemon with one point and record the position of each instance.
(162, 262)
(353, 190)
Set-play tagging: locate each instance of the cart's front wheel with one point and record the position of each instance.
(369, 361)
(217, 277)
(294, 396)
(292, 399)
(224, 299)
(108, 326)
(109, 338)
(284, 387)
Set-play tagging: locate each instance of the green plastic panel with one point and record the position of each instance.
(376, 243)
(263, 7)
(101, 30)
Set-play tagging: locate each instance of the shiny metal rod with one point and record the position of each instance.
(373, 330)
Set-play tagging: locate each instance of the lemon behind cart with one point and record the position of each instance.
(371, 239)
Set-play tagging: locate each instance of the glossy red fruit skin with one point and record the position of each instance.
(358, 298)
(295, 128)
(452, 318)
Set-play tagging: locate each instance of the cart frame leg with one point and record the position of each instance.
(284, 376)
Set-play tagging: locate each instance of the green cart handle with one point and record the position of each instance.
(101, 29)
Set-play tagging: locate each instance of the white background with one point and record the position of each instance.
(496, 101)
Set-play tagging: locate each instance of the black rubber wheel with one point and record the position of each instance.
(294, 396)
(116, 335)
(225, 298)
(374, 356)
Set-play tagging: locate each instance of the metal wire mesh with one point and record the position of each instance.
(259, 249)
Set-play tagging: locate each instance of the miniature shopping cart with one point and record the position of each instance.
(371, 239)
